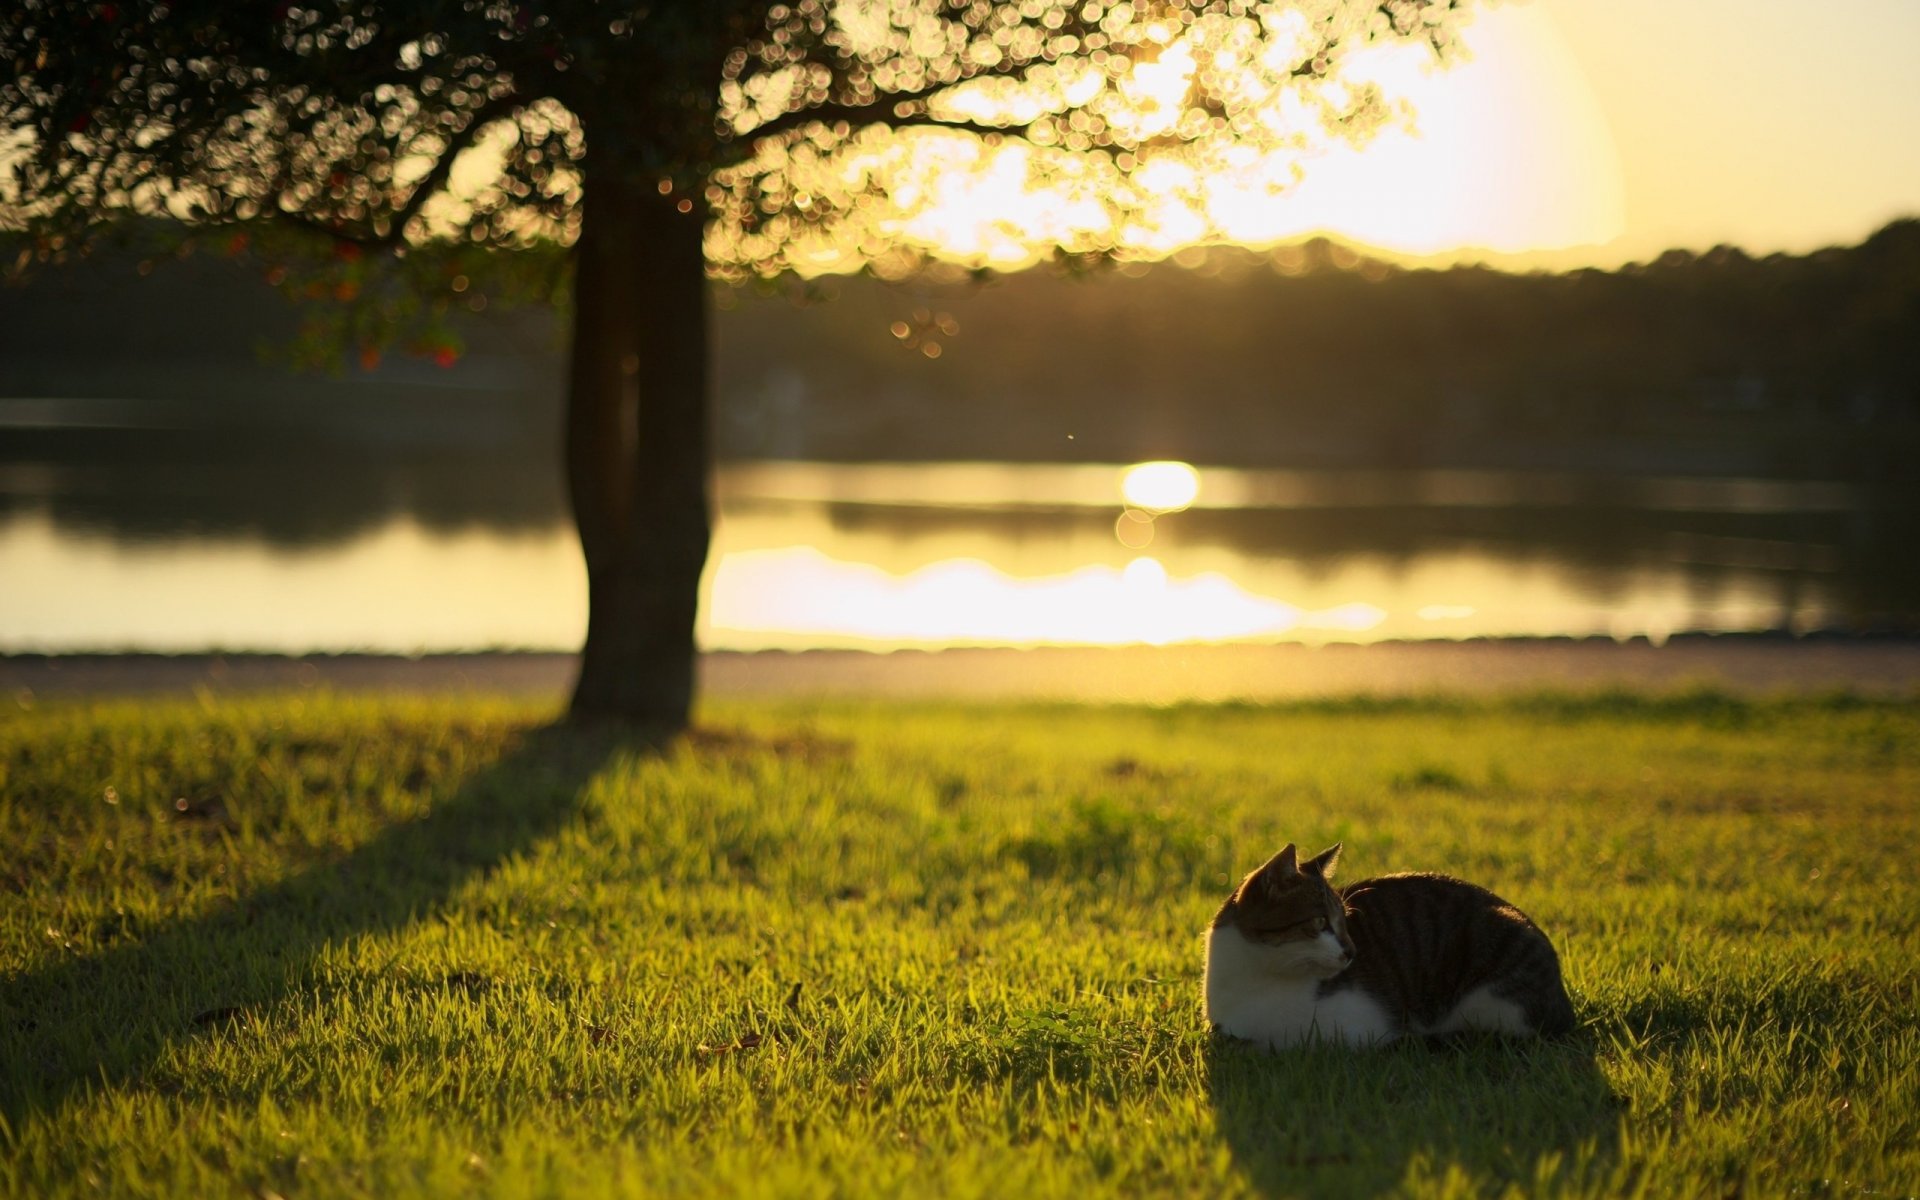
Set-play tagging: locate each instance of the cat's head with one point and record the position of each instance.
(1289, 910)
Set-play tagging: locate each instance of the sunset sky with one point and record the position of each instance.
(1602, 131)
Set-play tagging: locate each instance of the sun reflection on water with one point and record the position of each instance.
(1160, 487)
(932, 555)
(798, 595)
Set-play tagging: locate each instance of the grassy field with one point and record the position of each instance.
(344, 947)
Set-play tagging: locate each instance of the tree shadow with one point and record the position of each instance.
(108, 1018)
(1331, 1121)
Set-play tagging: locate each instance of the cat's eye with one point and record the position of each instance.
(1319, 924)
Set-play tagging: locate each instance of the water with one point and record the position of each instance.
(198, 545)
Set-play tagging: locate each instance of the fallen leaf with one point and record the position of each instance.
(744, 1042)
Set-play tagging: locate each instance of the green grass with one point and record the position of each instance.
(338, 947)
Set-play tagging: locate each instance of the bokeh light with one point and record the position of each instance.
(1134, 529)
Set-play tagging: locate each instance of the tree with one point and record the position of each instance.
(664, 142)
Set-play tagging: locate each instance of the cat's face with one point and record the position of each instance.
(1289, 910)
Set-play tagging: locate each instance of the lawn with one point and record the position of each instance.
(315, 947)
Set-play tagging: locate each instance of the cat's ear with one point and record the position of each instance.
(1283, 865)
(1272, 873)
(1322, 864)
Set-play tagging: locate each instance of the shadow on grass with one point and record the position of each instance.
(110, 1017)
(1327, 1121)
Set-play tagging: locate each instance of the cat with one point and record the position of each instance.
(1290, 959)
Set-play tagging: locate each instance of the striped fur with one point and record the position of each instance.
(1290, 958)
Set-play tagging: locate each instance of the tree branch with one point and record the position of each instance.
(423, 191)
(882, 110)
(433, 180)
(736, 152)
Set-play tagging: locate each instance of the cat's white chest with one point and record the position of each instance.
(1247, 999)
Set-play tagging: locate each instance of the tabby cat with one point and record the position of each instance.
(1291, 958)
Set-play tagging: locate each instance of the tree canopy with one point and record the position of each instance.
(388, 124)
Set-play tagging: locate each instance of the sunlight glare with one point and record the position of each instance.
(799, 592)
(1160, 487)
(1508, 150)
(1144, 575)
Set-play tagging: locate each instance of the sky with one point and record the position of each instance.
(1596, 132)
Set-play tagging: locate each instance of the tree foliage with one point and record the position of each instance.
(811, 129)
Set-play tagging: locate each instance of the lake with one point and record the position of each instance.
(187, 545)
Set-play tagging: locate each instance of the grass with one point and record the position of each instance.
(347, 947)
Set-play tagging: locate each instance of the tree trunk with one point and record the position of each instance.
(638, 450)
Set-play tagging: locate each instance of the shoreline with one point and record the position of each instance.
(1746, 664)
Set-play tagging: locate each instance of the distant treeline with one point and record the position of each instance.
(1310, 355)
(1793, 365)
